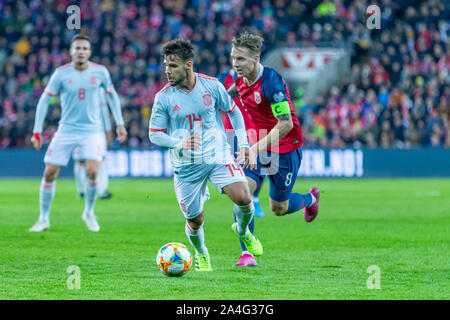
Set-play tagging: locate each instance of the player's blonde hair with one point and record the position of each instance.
(250, 41)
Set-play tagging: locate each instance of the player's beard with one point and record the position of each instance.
(180, 80)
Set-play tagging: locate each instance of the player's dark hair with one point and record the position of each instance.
(81, 37)
(179, 47)
(250, 41)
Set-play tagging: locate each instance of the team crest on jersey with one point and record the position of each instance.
(207, 100)
(93, 80)
(257, 97)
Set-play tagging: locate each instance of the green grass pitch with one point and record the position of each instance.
(402, 226)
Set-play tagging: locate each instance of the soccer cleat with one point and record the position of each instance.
(80, 195)
(39, 226)
(202, 262)
(106, 195)
(250, 241)
(91, 221)
(312, 211)
(246, 260)
(258, 210)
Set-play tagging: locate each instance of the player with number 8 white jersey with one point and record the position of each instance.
(78, 83)
(80, 112)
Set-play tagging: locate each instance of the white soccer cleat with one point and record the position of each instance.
(91, 222)
(39, 226)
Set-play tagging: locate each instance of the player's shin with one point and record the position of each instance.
(46, 195)
(91, 196)
(299, 201)
(196, 238)
(244, 215)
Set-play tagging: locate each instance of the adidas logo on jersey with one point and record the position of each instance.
(176, 108)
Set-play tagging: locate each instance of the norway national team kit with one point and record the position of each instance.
(180, 113)
(228, 79)
(263, 99)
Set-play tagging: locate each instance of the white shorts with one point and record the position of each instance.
(191, 196)
(89, 147)
(77, 156)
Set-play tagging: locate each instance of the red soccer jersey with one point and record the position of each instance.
(270, 88)
(227, 79)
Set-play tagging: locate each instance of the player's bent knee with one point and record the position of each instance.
(195, 224)
(278, 210)
(92, 174)
(51, 173)
(239, 193)
(243, 200)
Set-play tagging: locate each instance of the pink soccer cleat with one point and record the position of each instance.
(246, 260)
(312, 211)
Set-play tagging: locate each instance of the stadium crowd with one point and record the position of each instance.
(397, 94)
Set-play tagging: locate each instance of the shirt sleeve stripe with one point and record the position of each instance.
(234, 106)
(49, 93)
(157, 130)
(110, 89)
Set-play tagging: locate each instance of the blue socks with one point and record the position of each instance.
(299, 201)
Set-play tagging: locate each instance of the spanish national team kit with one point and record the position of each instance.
(180, 113)
(80, 125)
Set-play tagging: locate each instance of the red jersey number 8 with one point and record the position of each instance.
(81, 94)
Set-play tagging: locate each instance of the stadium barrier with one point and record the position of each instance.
(339, 163)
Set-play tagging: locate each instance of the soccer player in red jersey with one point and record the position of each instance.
(278, 153)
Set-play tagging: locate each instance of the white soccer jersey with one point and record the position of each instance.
(180, 113)
(80, 98)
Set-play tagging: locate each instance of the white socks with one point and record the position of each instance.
(103, 180)
(196, 238)
(313, 199)
(46, 195)
(244, 215)
(91, 195)
(79, 173)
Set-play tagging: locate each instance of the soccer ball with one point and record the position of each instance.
(174, 259)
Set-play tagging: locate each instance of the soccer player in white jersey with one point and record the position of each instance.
(185, 118)
(80, 126)
(79, 168)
